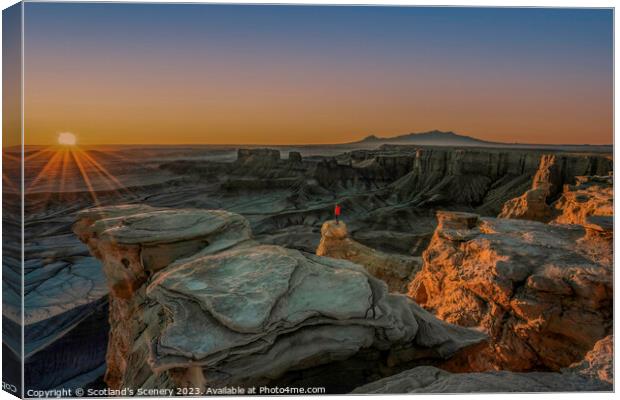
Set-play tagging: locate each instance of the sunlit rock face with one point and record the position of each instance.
(396, 270)
(195, 302)
(484, 179)
(541, 292)
(590, 196)
(598, 363)
(552, 198)
(531, 205)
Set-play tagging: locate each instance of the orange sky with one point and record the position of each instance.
(172, 76)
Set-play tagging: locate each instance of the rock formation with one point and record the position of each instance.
(294, 157)
(531, 205)
(435, 380)
(395, 270)
(589, 196)
(542, 296)
(195, 302)
(389, 195)
(487, 178)
(598, 362)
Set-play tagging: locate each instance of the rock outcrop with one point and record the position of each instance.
(573, 199)
(435, 380)
(395, 270)
(598, 362)
(531, 205)
(538, 290)
(286, 202)
(295, 157)
(590, 196)
(195, 302)
(484, 179)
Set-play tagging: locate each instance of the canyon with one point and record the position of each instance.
(420, 218)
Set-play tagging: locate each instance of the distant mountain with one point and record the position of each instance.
(431, 138)
(451, 139)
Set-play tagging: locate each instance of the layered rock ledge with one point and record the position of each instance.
(589, 201)
(195, 302)
(396, 270)
(541, 293)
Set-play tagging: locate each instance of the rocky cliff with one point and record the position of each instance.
(541, 292)
(195, 302)
(395, 270)
(485, 178)
(566, 200)
(590, 196)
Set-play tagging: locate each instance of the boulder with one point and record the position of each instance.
(195, 302)
(541, 292)
(395, 270)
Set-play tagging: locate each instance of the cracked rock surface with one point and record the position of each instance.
(541, 292)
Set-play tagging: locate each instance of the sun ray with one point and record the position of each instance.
(114, 188)
(51, 167)
(8, 182)
(63, 176)
(7, 155)
(76, 158)
(85, 178)
(38, 153)
(101, 168)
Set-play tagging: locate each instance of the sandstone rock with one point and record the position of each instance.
(150, 239)
(395, 270)
(485, 179)
(548, 177)
(531, 205)
(435, 380)
(540, 293)
(285, 203)
(582, 196)
(235, 312)
(598, 362)
(591, 196)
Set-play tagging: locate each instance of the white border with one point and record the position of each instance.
(474, 3)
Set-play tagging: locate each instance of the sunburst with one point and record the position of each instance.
(66, 157)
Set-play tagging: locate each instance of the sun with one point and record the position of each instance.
(67, 139)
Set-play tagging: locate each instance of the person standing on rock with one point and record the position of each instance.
(337, 212)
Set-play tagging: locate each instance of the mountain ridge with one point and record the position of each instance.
(429, 136)
(450, 138)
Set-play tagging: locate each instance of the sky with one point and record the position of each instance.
(255, 74)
